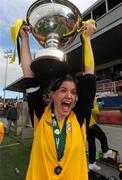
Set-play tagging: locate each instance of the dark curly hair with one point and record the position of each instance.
(56, 83)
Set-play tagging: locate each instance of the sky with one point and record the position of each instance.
(10, 11)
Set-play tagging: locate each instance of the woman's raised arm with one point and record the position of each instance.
(25, 54)
(89, 28)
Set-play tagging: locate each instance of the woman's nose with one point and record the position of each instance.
(68, 94)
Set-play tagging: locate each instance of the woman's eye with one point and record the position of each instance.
(63, 90)
(73, 92)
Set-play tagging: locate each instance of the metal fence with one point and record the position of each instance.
(113, 86)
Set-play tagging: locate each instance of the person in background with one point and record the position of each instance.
(96, 132)
(59, 145)
(2, 109)
(12, 116)
(2, 131)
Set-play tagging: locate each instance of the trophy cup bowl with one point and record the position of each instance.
(54, 25)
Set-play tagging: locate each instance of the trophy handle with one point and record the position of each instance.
(76, 29)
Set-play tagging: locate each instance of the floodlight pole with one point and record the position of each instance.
(7, 55)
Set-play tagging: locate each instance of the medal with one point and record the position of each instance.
(57, 131)
(58, 170)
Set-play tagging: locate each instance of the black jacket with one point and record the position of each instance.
(12, 114)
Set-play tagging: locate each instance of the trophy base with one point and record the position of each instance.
(49, 67)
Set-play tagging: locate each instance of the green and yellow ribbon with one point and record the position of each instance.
(14, 30)
(86, 54)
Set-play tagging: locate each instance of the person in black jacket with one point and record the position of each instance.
(12, 116)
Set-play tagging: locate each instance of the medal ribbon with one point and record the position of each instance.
(60, 137)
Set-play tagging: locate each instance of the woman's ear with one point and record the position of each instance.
(75, 101)
(76, 98)
(50, 94)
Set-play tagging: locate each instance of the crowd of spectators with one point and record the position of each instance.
(4, 107)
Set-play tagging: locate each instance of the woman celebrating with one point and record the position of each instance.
(59, 146)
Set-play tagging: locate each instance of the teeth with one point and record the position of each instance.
(67, 102)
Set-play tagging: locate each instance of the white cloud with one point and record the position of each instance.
(82, 5)
(10, 72)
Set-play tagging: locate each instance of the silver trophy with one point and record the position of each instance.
(54, 24)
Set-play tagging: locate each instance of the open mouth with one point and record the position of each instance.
(66, 106)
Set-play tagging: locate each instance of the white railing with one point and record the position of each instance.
(113, 86)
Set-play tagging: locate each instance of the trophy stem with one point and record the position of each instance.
(52, 40)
